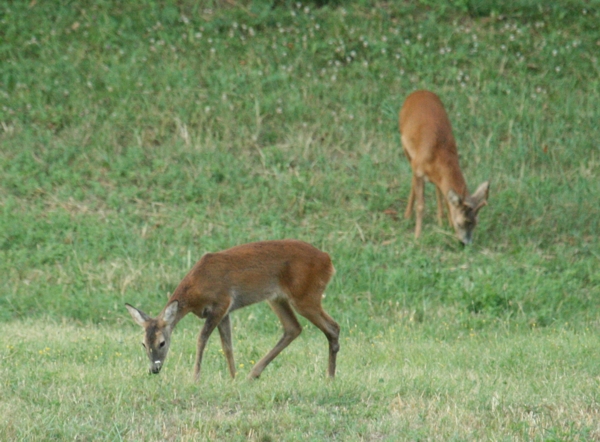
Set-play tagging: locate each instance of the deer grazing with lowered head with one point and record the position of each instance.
(288, 274)
(430, 147)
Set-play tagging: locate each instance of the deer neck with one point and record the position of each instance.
(183, 308)
(451, 178)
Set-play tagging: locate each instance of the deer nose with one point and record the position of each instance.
(156, 367)
(467, 239)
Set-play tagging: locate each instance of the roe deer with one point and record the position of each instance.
(285, 273)
(429, 145)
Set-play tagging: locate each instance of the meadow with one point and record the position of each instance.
(135, 137)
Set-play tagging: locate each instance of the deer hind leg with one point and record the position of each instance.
(225, 334)
(328, 326)
(291, 330)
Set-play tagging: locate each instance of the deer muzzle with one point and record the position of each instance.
(155, 367)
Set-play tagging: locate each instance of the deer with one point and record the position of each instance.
(288, 274)
(430, 147)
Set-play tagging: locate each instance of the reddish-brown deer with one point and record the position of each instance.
(430, 147)
(288, 274)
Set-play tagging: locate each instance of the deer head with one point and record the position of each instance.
(158, 333)
(464, 211)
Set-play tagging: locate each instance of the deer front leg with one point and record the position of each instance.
(209, 326)
(225, 334)
(411, 199)
(440, 205)
(419, 194)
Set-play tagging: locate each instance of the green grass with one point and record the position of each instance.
(397, 384)
(136, 137)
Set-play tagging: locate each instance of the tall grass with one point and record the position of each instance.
(137, 137)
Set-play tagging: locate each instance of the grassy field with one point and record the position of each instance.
(136, 137)
(68, 382)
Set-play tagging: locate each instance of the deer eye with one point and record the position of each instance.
(162, 344)
(143, 345)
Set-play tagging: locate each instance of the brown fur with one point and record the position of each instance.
(430, 147)
(289, 274)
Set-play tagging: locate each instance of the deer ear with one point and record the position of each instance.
(481, 195)
(138, 316)
(170, 313)
(454, 199)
